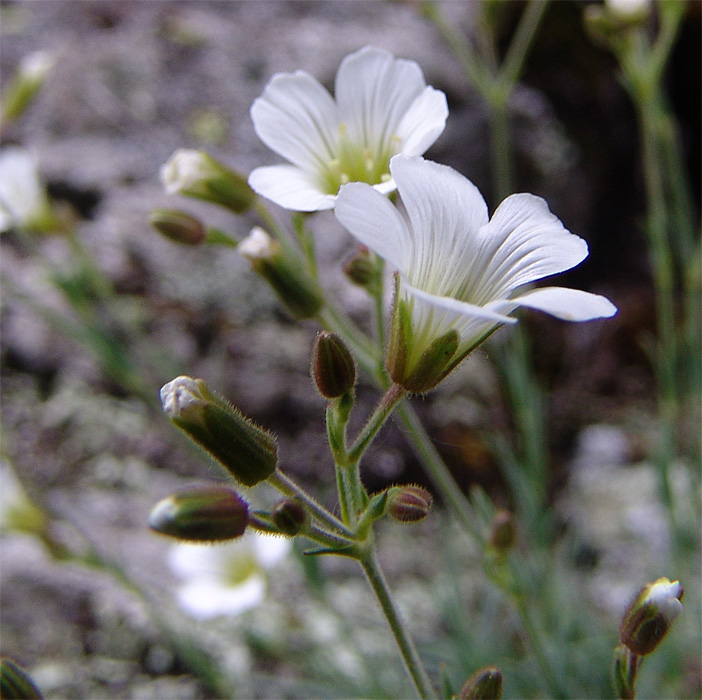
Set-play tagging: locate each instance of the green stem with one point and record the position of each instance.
(375, 422)
(287, 486)
(410, 655)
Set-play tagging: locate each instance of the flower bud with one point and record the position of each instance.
(245, 450)
(196, 174)
(178, 226)
(409, 504)
(296, 291)
(333, 368)
(16, 683)
(361, 268)
(503, 532)
(26, 83)
(290, 517)
(201, 514)
(484, 684)
(650, 615)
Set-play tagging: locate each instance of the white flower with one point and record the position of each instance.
(461, 273)
(23, 201)
(225, 579)
(381, 107)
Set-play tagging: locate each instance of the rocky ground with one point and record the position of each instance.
(135, 80)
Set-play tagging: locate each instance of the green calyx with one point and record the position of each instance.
(245, 450)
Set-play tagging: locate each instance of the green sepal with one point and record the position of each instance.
(245, 450)
(434, 364)
(400, 337)
(374, 511)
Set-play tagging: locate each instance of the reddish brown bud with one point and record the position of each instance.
(409, 504)
(333, 368)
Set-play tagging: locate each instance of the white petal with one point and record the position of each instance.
(374, 90)
(568, 304)
(524, 242)
(297, 118)
(270, 550)
(289, 187)
(423, 122)
(195, 560)
(459, 308)
(445, 211)
(374, 221)
(204, 599)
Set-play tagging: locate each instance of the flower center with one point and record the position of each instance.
(239, 568)
(358, 162)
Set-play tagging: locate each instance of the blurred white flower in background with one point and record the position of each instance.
(225, 579)
(23, 200)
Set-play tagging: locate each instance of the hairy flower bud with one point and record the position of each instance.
(333, 368)
(16, 683)
(649, 616)
(245, 450)
(178, 226)
(196, 174)
(361, 268)
(290, 517)
(484, 684)
(201, 514)
(296, 291)
(409, 504)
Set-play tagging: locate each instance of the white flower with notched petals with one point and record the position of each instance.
(460, 272)
(381, 106)
(225, 579)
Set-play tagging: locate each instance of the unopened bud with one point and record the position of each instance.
(361, 268)
(296, 291)
(409, 504)
(245, 450)
(178, 226)
(333, 368)
(16, 683)
(196, 174)
(484, 684)
(26, 83)
(503, 532)
(650, 615)
(201, 514)
(290, 517)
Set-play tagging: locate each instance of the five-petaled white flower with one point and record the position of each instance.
(225, 579)
(460, 272)
(382, 107)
